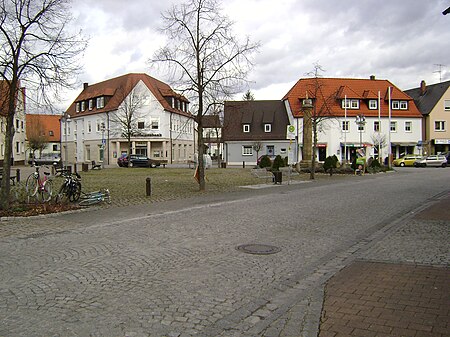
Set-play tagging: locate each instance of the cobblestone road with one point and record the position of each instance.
(172, 269)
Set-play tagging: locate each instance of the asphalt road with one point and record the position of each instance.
(172, 268)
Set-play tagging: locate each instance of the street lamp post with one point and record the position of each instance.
(103, 129)
(66, 119)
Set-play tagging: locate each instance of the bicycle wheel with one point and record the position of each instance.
(75, 191)
(46, 191)
(32, 184)
(90, 201)
(62, 196)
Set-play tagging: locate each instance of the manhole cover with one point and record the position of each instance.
(258, 249)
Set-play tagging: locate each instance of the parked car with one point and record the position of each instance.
(407, 160)
(434, 160)
(45, 160)
(136, 160)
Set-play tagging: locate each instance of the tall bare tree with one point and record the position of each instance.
(36, 51)
(320, 112)
(36, 137)
(204, 57)
(125, 121)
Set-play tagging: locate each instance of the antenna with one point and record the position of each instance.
(439, 71)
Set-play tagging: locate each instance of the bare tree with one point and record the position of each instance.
(125, 121)
(205, 59)
(34, 50)
(321, 110)
(379, 142)
(257, 146)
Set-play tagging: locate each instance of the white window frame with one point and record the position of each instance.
(408, 126)
(154, 123)
(83, 105)
(395, 105)
(77, 106)
(100, 102)
(376, 126)
(403, 105)
(246, 128)
(439, 126)
(247, 150)
(268, 127)
(351, 104)
(89, 126)
(373, 104)
(91, 104)
(447, 104)
(393, 126)
(345, 126)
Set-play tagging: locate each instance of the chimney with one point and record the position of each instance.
(423, 88)
(85, 85)
(372, 77)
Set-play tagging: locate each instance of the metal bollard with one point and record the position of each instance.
(18, 175)
(243, 164)
(148, 186)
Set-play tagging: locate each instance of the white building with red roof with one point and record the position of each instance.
(163, 127)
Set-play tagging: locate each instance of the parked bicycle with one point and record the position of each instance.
(70, 190)
(92, 198)
(39, 187)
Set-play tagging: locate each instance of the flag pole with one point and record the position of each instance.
(345, 130)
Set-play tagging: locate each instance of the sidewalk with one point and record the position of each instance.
(400, 287)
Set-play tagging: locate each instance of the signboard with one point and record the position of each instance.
(291, 132)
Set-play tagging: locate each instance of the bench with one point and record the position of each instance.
(96, 166)
(262, 173)
(289, 172)
(163, 162)
(11, 177)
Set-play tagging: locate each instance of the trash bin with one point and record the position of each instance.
(223, 164)
(84, 167)
(277, 177)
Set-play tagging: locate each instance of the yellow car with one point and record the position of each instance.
(407, 160)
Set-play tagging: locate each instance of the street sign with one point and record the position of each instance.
(103, 141)
(291, 132)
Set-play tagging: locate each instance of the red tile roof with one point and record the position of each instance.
(338, 88)
(50, 124)
(114, 95)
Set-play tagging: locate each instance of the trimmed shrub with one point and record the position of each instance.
(265, 162)
(330, 164)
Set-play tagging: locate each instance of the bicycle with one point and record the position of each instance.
(39, 188)
(70, 189)
(96, 197)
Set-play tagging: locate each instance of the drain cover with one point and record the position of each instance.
(258, 249)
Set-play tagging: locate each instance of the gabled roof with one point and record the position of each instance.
(116, 89)
(332, 91)
(255, 113)
(49, 123)
(432, 94)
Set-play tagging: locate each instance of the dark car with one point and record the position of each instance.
(135, 160)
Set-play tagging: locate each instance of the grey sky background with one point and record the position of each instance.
(399, 40)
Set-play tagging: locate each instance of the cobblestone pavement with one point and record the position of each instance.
(172, 268)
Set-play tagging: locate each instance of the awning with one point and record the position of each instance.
(355, 144)
(404, 144)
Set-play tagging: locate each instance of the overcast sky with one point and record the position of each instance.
(403, 41)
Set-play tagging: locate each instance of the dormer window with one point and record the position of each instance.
(77, 106)
(267, 127)
(399, 105)
(83, 105)
(246, 128)
(100, 102)
(403, 105)
(350, 103)
(91, 104)
(373, 104)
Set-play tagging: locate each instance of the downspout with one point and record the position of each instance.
(107, 136)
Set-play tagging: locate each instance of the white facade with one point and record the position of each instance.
(161, 134)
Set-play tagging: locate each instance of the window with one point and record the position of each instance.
(403, 105)
(50, 133)
(89, 127)
(17, 124)
(393, 126)
(154, 124)
(18, 147)
(267, 127)
(55, 147)
(350, 104)
(91, 104)
(376, 126)
(408, 126)
(361, 127)
(395, 105)
(141, 125)
(100, 102)
(345, 126)
(247, 150)
(439, 126)
(246, 127)
(77, 106)
(373, 104)
(21, 125)
(83, 106)
(447, 105)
